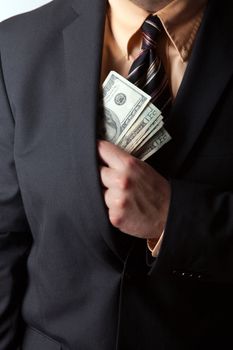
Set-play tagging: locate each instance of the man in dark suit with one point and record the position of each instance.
(75, 270)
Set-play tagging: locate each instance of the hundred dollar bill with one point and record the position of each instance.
(130, 120)
(153, 145)
(123, 103)
(139, 142)
(148, 120)
(149, 135)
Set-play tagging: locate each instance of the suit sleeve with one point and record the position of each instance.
(14, 232)
(198, 239)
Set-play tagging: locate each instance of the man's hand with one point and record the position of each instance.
(136, 195)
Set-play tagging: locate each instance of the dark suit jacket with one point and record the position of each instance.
(68, 279)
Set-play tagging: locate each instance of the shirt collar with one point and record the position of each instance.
(181, 20)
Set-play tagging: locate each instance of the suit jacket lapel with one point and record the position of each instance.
(83, 39)
(209, 70)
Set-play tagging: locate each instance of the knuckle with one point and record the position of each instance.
(131, 163)
(116, 220)
(124, 182)
(122, 202)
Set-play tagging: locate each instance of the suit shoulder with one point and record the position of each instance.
(30, 24)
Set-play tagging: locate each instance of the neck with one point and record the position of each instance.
(151, 5)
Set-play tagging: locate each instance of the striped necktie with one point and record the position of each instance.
(147, 71)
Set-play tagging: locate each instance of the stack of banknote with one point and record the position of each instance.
(130, 120)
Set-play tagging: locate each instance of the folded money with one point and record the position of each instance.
(130, 120)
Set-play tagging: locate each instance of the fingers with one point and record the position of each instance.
(117, 204)
(107, 176)
(111, 155)
(112, 178)
(136, 196)
(115, 199)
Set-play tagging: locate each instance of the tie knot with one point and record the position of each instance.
(151, 30)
